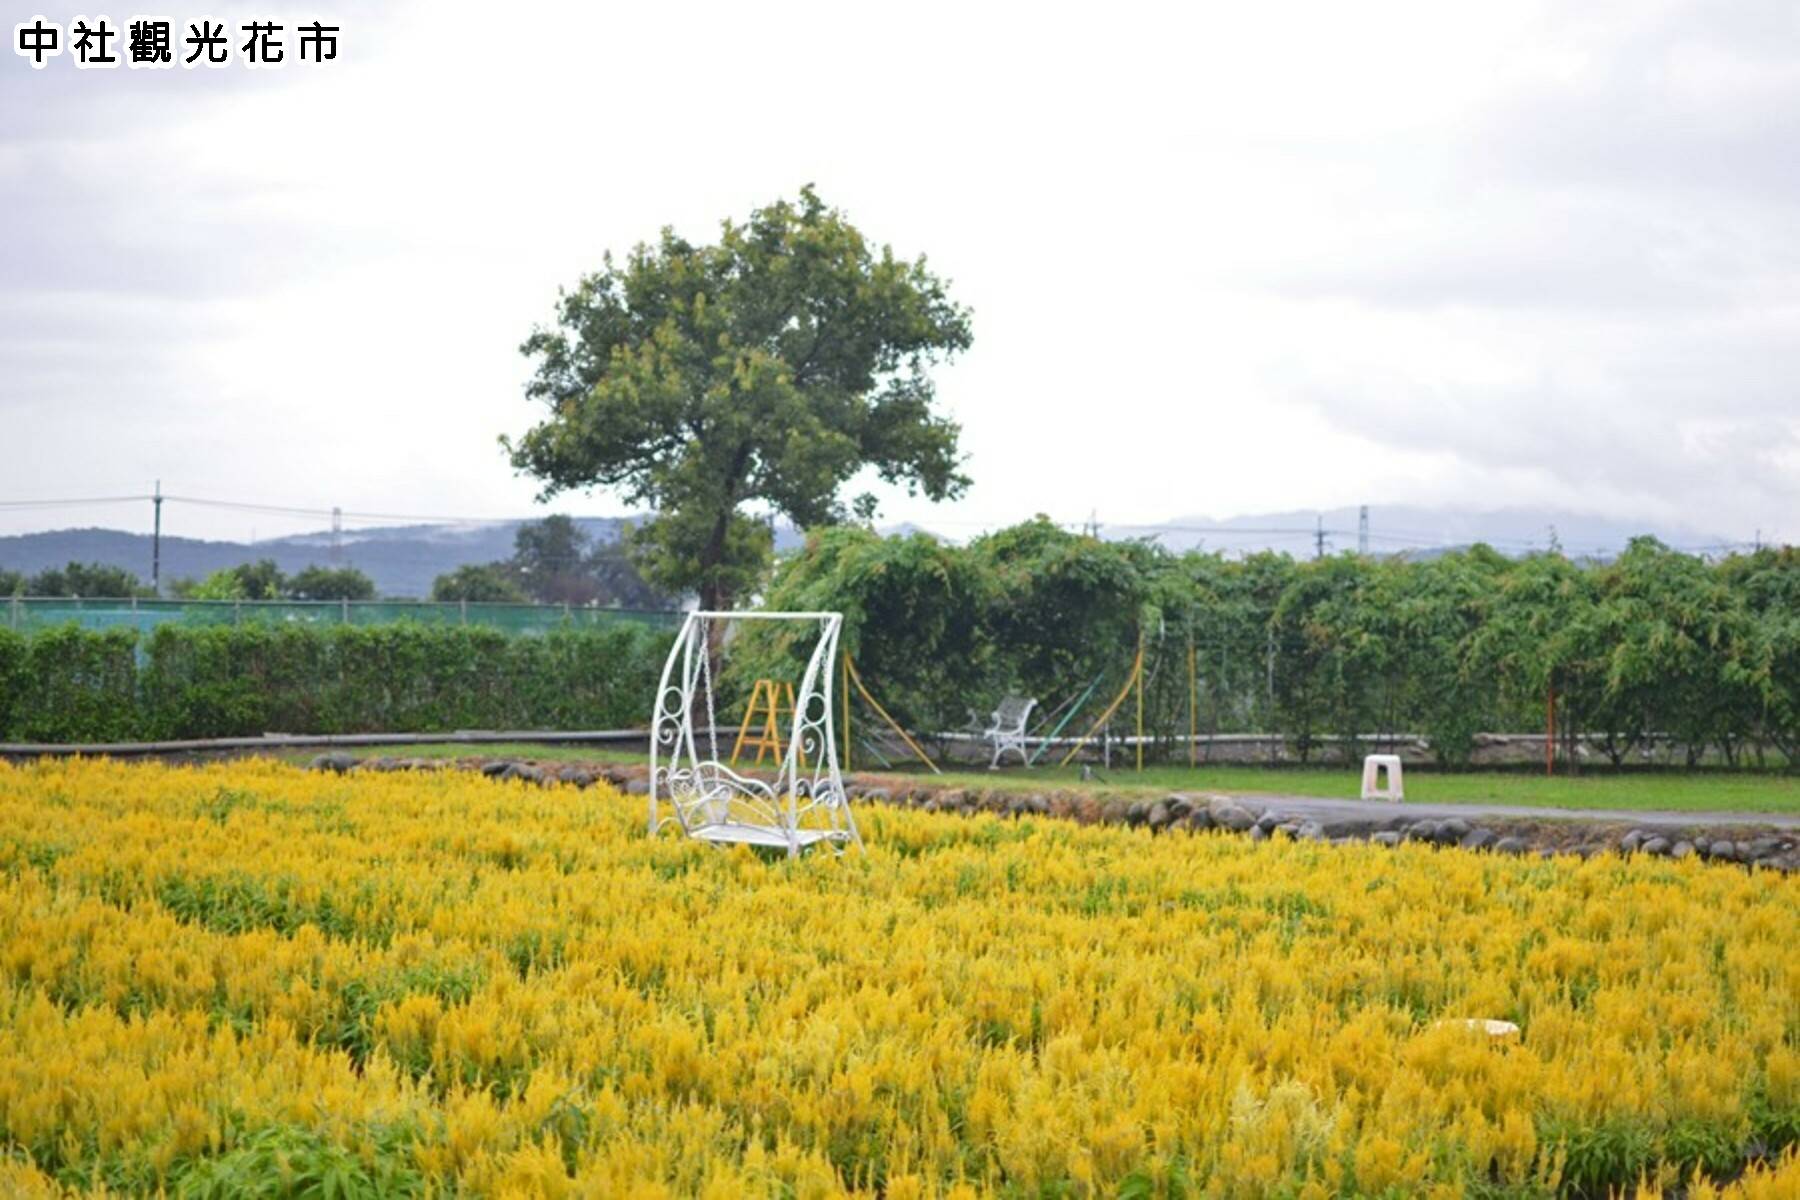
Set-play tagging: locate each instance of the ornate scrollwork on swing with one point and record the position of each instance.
(803, 806)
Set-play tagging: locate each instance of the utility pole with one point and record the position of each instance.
(156, 542)
(1319, 538)
(1362, 531)
(337, 533)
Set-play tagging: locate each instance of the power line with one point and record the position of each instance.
(326, 514)
(78, 503)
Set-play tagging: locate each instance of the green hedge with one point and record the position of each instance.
(68, 685)
(73, 685)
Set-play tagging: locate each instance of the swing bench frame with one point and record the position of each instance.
(804, 805)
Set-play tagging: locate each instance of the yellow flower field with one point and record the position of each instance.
(228, 978)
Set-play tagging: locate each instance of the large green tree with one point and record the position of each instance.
(765, 369)
(89, 580)
(331, 583)
(478, 583)
(550, 561)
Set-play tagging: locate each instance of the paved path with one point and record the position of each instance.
(1380, 810)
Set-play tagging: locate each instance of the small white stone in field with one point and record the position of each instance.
(1497, 1029)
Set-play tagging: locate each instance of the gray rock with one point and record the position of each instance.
(1452, 832)
(578, 776)
(1160, 816)
(1511, 845)
(637, 785)
(1722, 850)
(1268, 821)
(1258, 834)
(1136, 813)
(1038, 805)
(1200, 818)
(1227, 815)
(879, 795)
(1337, 825)
(494, 770)
(335, 762)
(1764, 847)
(1310, 831)
(1421, 831)
(1655, 845)
(1681, 849)
(1179, 806)
(1632, 840)
(1386, 837)
(525, 771)
(1477, 839)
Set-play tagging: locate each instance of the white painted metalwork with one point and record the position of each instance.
(1006, 728)
(804, 805)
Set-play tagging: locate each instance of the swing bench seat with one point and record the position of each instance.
(762, 835)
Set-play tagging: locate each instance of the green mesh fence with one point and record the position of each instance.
(28, 614)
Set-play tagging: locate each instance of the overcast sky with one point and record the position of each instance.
(1222, 259)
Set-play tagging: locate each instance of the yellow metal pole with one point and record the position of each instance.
(856, 677)
(1140, 690)
(1110, 709)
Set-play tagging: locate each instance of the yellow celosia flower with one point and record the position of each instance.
(436, 982)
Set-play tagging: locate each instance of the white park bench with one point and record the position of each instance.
(1006, 728)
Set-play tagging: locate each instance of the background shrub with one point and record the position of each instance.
(75, 685)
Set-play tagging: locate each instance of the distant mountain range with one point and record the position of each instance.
(1416, 531)
(404, 559)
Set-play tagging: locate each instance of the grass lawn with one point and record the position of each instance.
(1719, 790)
(1736, 791)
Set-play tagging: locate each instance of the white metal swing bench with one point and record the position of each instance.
(804, 805)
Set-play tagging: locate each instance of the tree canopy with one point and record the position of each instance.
(264, 580)
(478, 583)
(88, 580)
(554, 561)
(765, 369)
(331, 583)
